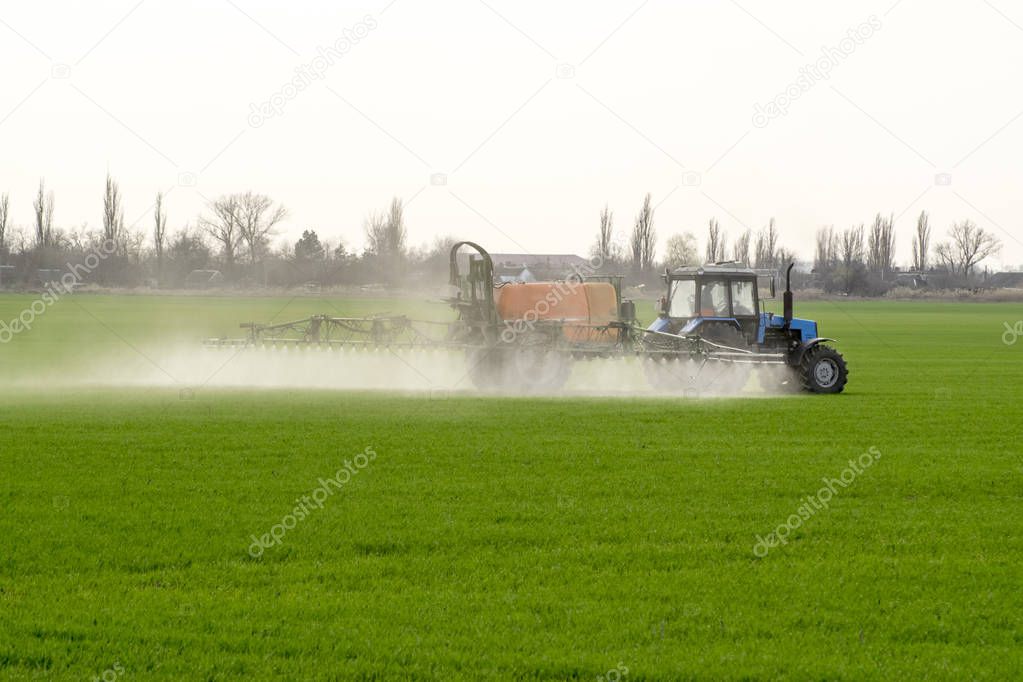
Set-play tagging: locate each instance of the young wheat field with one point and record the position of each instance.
(174, 512)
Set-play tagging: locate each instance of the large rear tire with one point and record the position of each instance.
(537, 369)
(486, 367)
(823, 370)
(530, 366)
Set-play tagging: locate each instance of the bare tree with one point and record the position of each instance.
(644, 238)
(113, 215)
(387, 237)
(785, 256)
(5, 208)
(888, 246)
(967, 246)
(767, 246)
(680, 249)
(43, 208)
(826, 253)
(257, 219)
(605, 249)
(740, 249)
(881, 246)
(921, 242)
(715, 242)
(636, 249)
(187, 250)
(132, 244)
(38, 210)
(224, 226)
(851, 247)
(874, 245)
(159, 231)
(851, 252)
(433, 258)
(375, 227)
(397, 233)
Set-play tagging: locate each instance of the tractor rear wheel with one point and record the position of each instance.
(537, 366)
(531, 366)
(486, 367)
(823, 370)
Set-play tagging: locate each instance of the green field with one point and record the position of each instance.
(508, 538)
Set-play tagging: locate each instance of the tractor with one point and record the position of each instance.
(718, 308)
(526, 336)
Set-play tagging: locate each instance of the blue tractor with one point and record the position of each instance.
(715, 311)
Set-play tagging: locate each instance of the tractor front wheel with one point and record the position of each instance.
(823, 370)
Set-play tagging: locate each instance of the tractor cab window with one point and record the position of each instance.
(714, 299)
(742, 298)
(683, 298)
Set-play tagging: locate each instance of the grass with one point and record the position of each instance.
(512, 537)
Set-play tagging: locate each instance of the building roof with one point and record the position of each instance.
(532, 259)
(203, 277)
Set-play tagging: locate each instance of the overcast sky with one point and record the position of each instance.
(512, 123)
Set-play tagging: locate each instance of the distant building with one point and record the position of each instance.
(1006, 280)
(513, 274)
(914, 280)
(203, 279)
(529, 267)
(46, 276)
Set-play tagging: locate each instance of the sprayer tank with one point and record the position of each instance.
(577, 304)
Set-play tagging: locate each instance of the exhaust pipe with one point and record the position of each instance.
(787, 298)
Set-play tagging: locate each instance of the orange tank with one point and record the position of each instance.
(579, 306)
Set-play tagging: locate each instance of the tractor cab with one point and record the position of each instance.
(722, 303)
(719, 300)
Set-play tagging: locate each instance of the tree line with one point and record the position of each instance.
(858, 260)
(233, 235)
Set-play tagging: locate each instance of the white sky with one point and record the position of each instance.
(156, 90)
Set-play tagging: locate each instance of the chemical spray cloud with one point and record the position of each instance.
(562, 288)
(313, 500)
(53, 290)
(816, 502)
(811, 74)
(305, 74)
